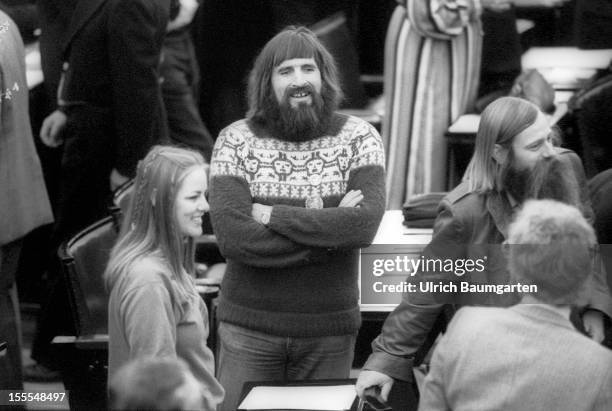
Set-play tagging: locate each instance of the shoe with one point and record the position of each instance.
(39, 373)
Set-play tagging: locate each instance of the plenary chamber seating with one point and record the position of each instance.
(85, 355)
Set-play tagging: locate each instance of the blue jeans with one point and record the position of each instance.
(248, 355)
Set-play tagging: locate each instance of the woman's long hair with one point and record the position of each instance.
(500, 122)
(150, 227)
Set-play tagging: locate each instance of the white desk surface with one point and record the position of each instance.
(566, 67)
(566, 57)
(392, 231)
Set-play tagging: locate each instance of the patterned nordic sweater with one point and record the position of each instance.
(297, 276)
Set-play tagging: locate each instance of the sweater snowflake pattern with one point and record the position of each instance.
(297, 275)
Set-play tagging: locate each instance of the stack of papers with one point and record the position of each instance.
(329, 398)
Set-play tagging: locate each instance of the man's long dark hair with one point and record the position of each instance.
(292, 42)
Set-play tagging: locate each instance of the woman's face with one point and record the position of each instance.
(191, 203)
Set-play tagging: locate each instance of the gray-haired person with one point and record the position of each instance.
(528, 356)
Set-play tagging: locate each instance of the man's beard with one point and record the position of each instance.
(548, 179)
(303, 122)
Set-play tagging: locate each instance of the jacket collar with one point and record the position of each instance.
(82, 13)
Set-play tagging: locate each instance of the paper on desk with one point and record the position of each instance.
(466, 124)
(566, 57)
(336, 397)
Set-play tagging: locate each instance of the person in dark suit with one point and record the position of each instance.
(181, 74)
(54, 17)
(110, 110)
(109, 113)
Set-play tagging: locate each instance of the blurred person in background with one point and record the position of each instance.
(180, 86)
(24, 203)
(109, 113)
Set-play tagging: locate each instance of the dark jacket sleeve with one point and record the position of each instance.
(135, 33)
(408, 326)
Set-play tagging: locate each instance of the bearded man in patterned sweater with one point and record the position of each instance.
(296, 188)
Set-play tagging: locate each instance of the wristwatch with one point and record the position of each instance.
(265, 218)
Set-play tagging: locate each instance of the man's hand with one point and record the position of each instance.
(117, 179)
(52, 127)
(369, 379)
(258, 210)
(351, 199)
(594, 325)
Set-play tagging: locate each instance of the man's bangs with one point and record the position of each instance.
(293, 47)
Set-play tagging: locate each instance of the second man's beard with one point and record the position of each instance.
(548, 179)
(303, 122)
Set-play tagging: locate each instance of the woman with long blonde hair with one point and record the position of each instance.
(154, 308)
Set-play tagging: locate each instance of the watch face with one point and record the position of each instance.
(265, 218)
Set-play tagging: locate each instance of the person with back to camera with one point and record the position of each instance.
(514, 160)
(154, 308)
(528, 356)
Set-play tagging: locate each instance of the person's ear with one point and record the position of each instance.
(500, 154)
(153, 196)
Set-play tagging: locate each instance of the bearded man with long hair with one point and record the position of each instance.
(515, 159)
(295, 190)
